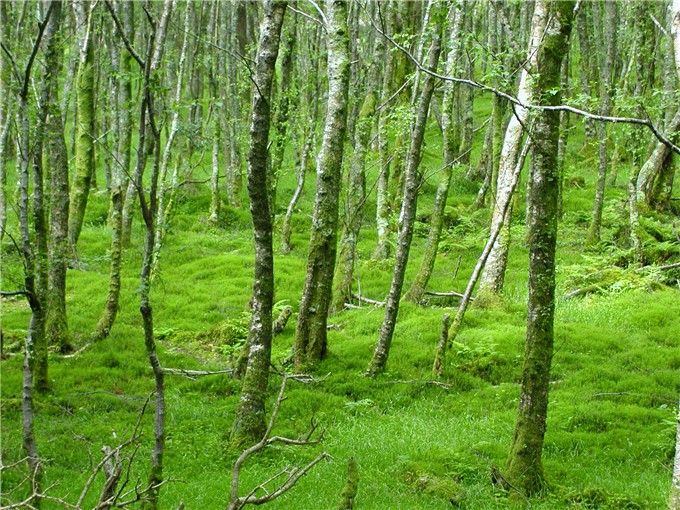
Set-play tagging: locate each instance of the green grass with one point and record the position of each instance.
(611, 422)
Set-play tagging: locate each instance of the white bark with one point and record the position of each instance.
(675, 32)
(494, 271)
(674, 503)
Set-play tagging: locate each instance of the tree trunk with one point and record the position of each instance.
(492, 278)
(450, 143)
(674, 502)
(310, 334)
(118, 176)
(408, 211)
(524, 468)
(356, 195)
(606, 63)
(56, 328)
(281, 118)
(249, 422)
(5, 116)
(84, 167)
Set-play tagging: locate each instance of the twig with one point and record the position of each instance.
(452, 293)
(194, 373)
(362, 299)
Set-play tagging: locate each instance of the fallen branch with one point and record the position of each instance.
(445, 386)
(452, 293)
(362, 299)
(194, 373)
(659, 268)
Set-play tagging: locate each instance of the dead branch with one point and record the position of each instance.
(292, 474)
(439, 384)
(191, 374)
(451, 293)
(363, 299)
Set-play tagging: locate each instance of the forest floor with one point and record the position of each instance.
(612, 414)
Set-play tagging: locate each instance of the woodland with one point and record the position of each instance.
(371, 254)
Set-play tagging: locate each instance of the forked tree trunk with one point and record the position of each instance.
(310, 334)
(524, 468)
(249, 422)
(408, 211)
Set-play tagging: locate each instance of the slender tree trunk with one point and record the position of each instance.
(164, 203)
(408, 212)
(249, 422)
(524, 468)
(234, 169)
(356, 195)
(5, 116)
(674, 501)
(382, 214)
(310, 335)
(607, 63)
(493, 276)
(421, 280)
(85, 123)
(281, 119)
(118, 175)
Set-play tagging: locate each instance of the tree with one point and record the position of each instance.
(84, 166)
(249, 424)
(450, 142)
(491, 280)
(409, 204)
(120, 170)
(310, 334)
(524, 468)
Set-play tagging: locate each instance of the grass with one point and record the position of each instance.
(611, 423)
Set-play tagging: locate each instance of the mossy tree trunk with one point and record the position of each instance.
(249, 422)
(674, 501)
(84, 166)
(408, 211)
(56, 328)
(118, 176)
(5, 116)
(451, 146)
(282, 117)
(491, 280)
(310, 334)
(524, 468)
(607, 54)
(356, 196)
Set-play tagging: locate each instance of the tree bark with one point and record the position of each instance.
(674, 501)
(356, 196)
(118, 174)
(249, 422)
(492, 278)
(408, 211)
(56, 327)
(84, 166)
(450, 143)
(606, 64)
(523, 467)
(310, 334)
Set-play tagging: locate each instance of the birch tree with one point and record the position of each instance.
(249, 422)
(491, 280)
(523, 467)
(310, 334)
(408, 210)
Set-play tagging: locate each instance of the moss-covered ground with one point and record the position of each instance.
(611, 424)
